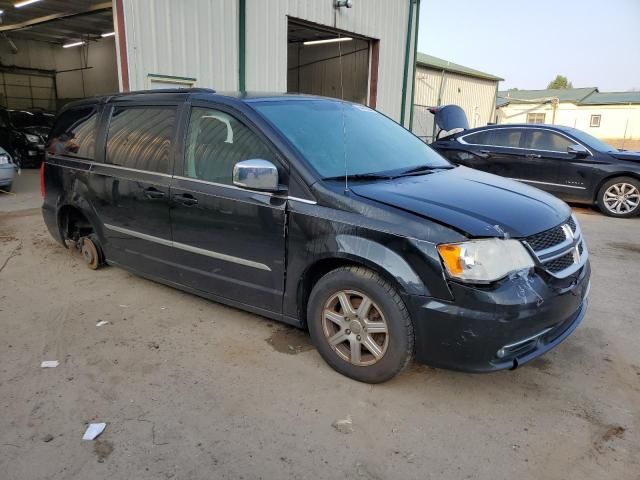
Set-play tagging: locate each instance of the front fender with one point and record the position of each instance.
(379, 257)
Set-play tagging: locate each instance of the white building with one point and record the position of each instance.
(613, 117)
(440, 82)
(364, 53)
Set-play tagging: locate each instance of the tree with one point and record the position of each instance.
(560, 82)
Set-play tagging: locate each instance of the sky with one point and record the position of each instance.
(595, 43)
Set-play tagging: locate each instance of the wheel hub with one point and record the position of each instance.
(355, 328)
(621, 198)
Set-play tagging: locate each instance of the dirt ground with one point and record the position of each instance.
(194, 390)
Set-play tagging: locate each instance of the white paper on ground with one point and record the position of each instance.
(49, 364)
(93, 430)
(102, 322)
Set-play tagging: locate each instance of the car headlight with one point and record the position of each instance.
(32, 138)
(484, 261)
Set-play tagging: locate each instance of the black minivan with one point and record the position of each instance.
(323, 214)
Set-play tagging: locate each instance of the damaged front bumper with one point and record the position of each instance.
(499, 327)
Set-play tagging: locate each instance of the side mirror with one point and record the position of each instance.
(578, 150)
(256, 174)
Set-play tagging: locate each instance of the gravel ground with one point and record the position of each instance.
(194, 390)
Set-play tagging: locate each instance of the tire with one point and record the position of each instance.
(352, 351)
(620, 197)
(7, 188)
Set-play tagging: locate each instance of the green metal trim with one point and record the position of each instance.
(407, 54)
(415, 54)
(171, 77)
(242, 17)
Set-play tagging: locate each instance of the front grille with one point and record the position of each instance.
(547, 239)
(559, 264)
(559, 250)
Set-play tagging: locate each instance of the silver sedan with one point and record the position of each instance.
(8, 170)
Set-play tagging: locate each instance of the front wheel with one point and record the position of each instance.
(620, 197)
(360, 325)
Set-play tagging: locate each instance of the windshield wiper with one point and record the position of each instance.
(422, 169)
(361, 176)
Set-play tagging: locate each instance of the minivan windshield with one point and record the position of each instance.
(339, 138)
(591, 141)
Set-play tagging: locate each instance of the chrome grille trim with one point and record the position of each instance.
(573, 244)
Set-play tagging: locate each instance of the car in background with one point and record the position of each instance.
(8, 170)
(23, 134)
(564, 161)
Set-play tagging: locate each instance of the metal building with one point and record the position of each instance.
(362, 52)
(440, 82)
(54, 51)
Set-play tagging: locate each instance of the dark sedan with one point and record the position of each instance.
(564, 161)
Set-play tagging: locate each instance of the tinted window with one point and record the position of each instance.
(332, 135)
(546, 140)
(508, 137)
(217, 141)
(141, 138)
(74, 133)
(479, 138)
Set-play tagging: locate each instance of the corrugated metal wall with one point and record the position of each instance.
(199, 39)
(190, 38)
(476, 96)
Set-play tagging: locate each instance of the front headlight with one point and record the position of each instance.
(32, 138)
(484, 261)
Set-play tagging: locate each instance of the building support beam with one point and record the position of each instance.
(407, 56)
(55, 16)
(121, 45)
(415, 56)
(242, 18)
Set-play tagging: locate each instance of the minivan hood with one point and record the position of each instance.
(629, 156)
(474, 202)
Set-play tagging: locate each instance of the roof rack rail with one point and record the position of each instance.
(168, 90)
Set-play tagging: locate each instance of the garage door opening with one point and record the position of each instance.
(52, 53)
(316, 56)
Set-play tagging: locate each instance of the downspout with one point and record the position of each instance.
(554, 104)
(494, 109)
(407, 54)
(415, 57)
(242, 11)
(443, 79)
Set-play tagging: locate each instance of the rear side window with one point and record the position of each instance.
(480, 138)
(141, 138)
(509, 137)
(546, 140)
(74, 133)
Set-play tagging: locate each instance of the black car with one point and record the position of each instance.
(564, 161)
(23, 134)
(322, 214)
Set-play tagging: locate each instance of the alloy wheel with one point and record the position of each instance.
(621, 198)
(355, 328)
